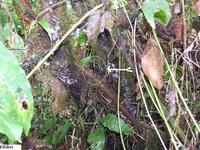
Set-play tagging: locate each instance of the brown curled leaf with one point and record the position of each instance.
(107, 21)
(121, 18)
(152, 63)
(92, 29)
(97, 23)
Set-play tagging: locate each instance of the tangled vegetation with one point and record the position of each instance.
(92, 74)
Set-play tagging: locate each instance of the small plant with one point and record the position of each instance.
(96, 139)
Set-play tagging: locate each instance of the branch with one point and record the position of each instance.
(63, 38)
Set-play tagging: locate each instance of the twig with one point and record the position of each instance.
(176, 85)
(193, 44)
(184, 44)
(97, 119)
(63, 38)
(49, 8)
(33, 61)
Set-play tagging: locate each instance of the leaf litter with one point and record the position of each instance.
(152, 63)
(97, 23)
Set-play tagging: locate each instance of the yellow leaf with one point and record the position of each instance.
(152, 63)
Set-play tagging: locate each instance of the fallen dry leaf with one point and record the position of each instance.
(196, 6)
(92, 29)
(121, 18)
(121, 42)
(171, 97)
(152, 63)
(107, 21)
(97, 23)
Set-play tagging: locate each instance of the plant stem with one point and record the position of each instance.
(176, 85)
(58, 43)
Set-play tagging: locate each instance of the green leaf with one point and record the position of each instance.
(59, 134)
(32, 26)
(46, 27)
(63, 131)
(16, 101)
(7, 128)
(18, 24)
(111, 122)
(5, 32)
(72, 17)
(49, 123)
(3, 18)
(156, 10)
(16, 42)
(81, 38)
(96, 139)
(88, 59)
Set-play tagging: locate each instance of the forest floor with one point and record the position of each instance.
(94, 66)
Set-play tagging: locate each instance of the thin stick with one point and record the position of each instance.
(176, 85)
(51, 52)
(118, 102)
(184, 70)
(49, 8)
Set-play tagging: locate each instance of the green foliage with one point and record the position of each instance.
(170, 1)
(45, 25)
(18, 24)
(16, 109)
(93, 2)
(3, 18)
(156, 10)
(13, 40)
(50, 126)
(81, 38)
(9, 126)
(32, 26)
(5, 32)
(71, 14)
(34, 4)
(87, 60)
(10, 17)
(17, 41)
(111, 122)
(59, 131)
(96, 139)
(190, 14)
(178, 73)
